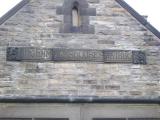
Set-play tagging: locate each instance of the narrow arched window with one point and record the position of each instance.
(76, 20)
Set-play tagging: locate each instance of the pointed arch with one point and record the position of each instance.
(76, 17)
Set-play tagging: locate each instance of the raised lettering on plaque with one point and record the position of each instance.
(75, 55)
(29, 54)
(117, 56)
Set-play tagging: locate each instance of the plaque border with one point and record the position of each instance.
(76, 55)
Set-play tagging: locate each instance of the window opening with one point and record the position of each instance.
(76, 20)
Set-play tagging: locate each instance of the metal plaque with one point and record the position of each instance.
(80, 55)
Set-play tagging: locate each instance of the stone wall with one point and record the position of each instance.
(37, 25)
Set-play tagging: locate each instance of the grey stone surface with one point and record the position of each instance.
(37, 25)
(30, 54)
(84, 12)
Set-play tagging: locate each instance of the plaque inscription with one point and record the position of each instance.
(36, 54)
(29, 54)
(80, 55)
(117, 56)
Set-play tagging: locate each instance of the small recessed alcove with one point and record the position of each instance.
(76, 17)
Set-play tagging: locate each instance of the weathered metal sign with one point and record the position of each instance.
(80, 55)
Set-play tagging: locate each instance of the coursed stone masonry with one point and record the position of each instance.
(37, 25)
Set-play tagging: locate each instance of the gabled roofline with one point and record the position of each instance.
(126, 6)
(11, 12)
(140, 18)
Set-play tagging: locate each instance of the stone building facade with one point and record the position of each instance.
(112, 57)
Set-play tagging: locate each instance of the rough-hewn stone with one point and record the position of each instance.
(38, 25)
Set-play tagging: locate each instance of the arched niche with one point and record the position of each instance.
(76, 17)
